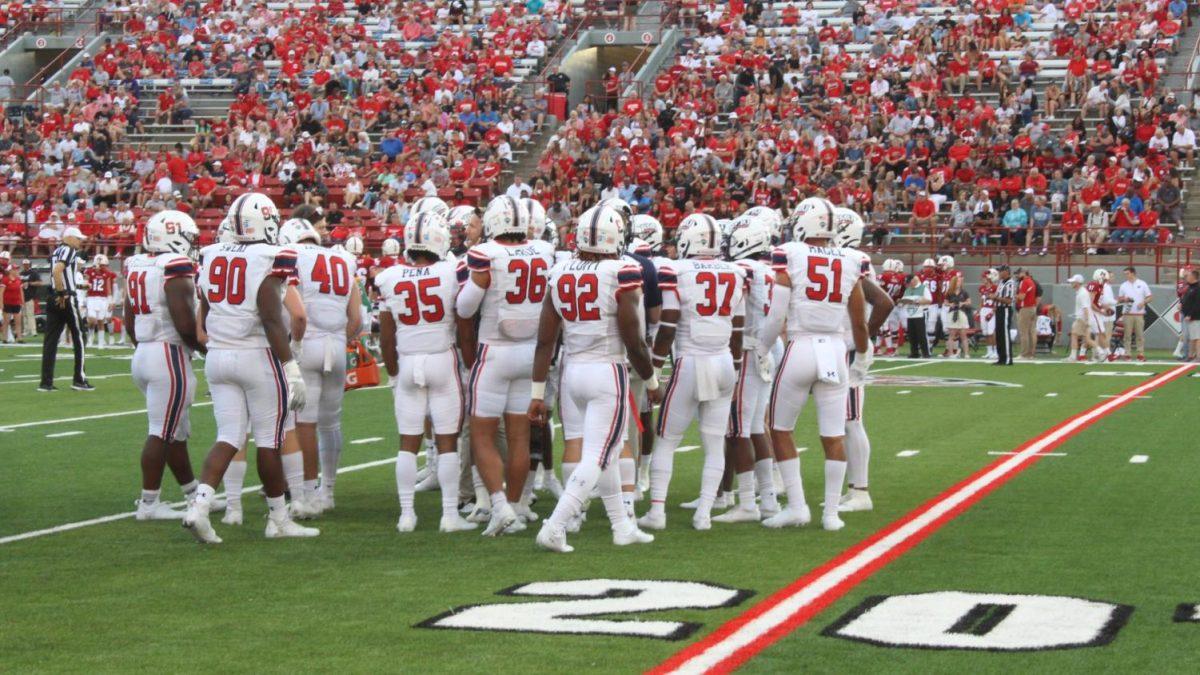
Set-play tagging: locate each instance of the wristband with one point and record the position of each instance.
(538, 390)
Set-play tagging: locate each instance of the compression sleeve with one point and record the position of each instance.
(469, 299)
(781, 297)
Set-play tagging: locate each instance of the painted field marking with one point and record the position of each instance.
(904, 391)
(908, 453)
(61, 378)
(64, 434)
(1139, 459)
(977, 393)
(802, 448)
(686, 448)
(370, 439)
(1052, 394)
(129, 514)
(739, 639)
(1116, 395)
(907, 365)
(1040, 454)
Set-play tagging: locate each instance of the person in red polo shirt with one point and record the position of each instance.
(1027, 314)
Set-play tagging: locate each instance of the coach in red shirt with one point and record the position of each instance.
(1027, 314)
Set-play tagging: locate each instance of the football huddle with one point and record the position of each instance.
(735, 331)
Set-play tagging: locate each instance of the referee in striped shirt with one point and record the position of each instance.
(63, 312)
(1005, 296)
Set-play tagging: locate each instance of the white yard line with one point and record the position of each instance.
(1139, 459)
(908, 453)
(907, 365)
(64, 434)
(371, 439)
(686, 448)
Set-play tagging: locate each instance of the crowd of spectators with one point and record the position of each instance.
(969, 124)
(358, 108)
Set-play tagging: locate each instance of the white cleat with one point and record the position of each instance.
(324, 501)
(286, 527)
(196, 521)
(429, 482)
(480, 515)
(702, 521)
(768, 507)
(789, 517)
(831, 522)
(407, 522)
(300, 509)
(517, 526)
(500, 521)
(157, 511)
(525, 513)
(856, 500)
(455, 523)
(554, 485)
(692, 505)
(739, 514)
(232, 516)
(632, 536)
(653, 521)
(553, 539)
(575, 524)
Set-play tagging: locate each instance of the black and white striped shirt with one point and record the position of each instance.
(66, 255)
(1007, 289)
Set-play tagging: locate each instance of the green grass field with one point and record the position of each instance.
(129, 596)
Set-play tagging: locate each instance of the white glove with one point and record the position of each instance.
(858, 369)
(765, 361)
(296, 391)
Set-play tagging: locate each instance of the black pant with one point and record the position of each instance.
(918, 342)
(58, 318)
(1003, 336)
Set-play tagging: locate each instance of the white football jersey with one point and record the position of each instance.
(847, 331)
(710, 293)
(513, 301)
(585, 294)
(822, 280)
(760, 280)
(326, 278)
(421, 300)
(146, 276)
(230, 278)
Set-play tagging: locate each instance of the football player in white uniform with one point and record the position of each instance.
(253, 377)
(160, 318)
(435, 204)
(704, 307)
(595, 301)
(417, 340)
(815, 283)
(753, 460)
(326, 283)
(506, 289)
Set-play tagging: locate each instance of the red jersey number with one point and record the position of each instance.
(531, 280)
(137, 293)
(578, 297)
(718, 293)
(825, 279)
(227, 280)
(333, 275)
(420, 301)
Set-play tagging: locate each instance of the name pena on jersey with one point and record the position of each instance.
(413, 272)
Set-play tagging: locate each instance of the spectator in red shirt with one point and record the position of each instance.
(924, 213)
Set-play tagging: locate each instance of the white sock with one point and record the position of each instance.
(575, 492)
(627, 466)
(310, 488)
(498, 500)
(431, 455)
(293, 473)
(858, 454)
(568, 468)
(766, 481)
(406, 479)
(789, 470)
(191, 488)
(527, 491)
(277, 508)
(204, 492)
(150, 497)
(330, 450)
(835, 475)
(713, 471)
(235, 479)
(613, 498)
(481, 494)
(102, 337)
(662, 462)
(447, 473)
(745, 488)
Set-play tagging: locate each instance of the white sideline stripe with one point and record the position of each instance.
(63, 434)
(779, 614)
(908, 453)
(1041, 454)
(1139, 459)
(686, 448)
(371, 439)
(979, 361)
(129, 514)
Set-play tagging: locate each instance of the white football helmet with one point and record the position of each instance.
(435, 204)
(427, 231)
(888, 265)
(945, 262)
(768, 217)
(391, 247)
(170, 232)
(850, 227)
(810, 204)
(296, 230)
(992, 275)
(535, 214)
(816, 222)
(225, 231)
(701, 240)
(899, 266)
(694, 220)
(601, 230)
(648, 229)
(254, 218)
(928, 262)
(354, 245)
(100, 260)
(750, 240)
(504, 215)
(461, 216)
(1100, 276)
(622, 207)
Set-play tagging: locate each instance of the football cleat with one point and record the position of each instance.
(631, 536)
(455, 523)
(301, 509)
(768, 506)
(500, 521)
(789, 517)
(653, 521)
(831, 522)
(740, 514)
(517, 526)
(429, 482)
(479, 514)
(407, 522)
(286, 527)
(701, 521)
(196, 521)
(692, 504)
(525, 513)
(855, 500)
(575, 524)
(323, 501)
(157, 511)
(553, 539)
(232, 516)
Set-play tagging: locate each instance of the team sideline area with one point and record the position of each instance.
(1037, 518)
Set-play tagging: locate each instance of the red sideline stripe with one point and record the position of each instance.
(1010, 467)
